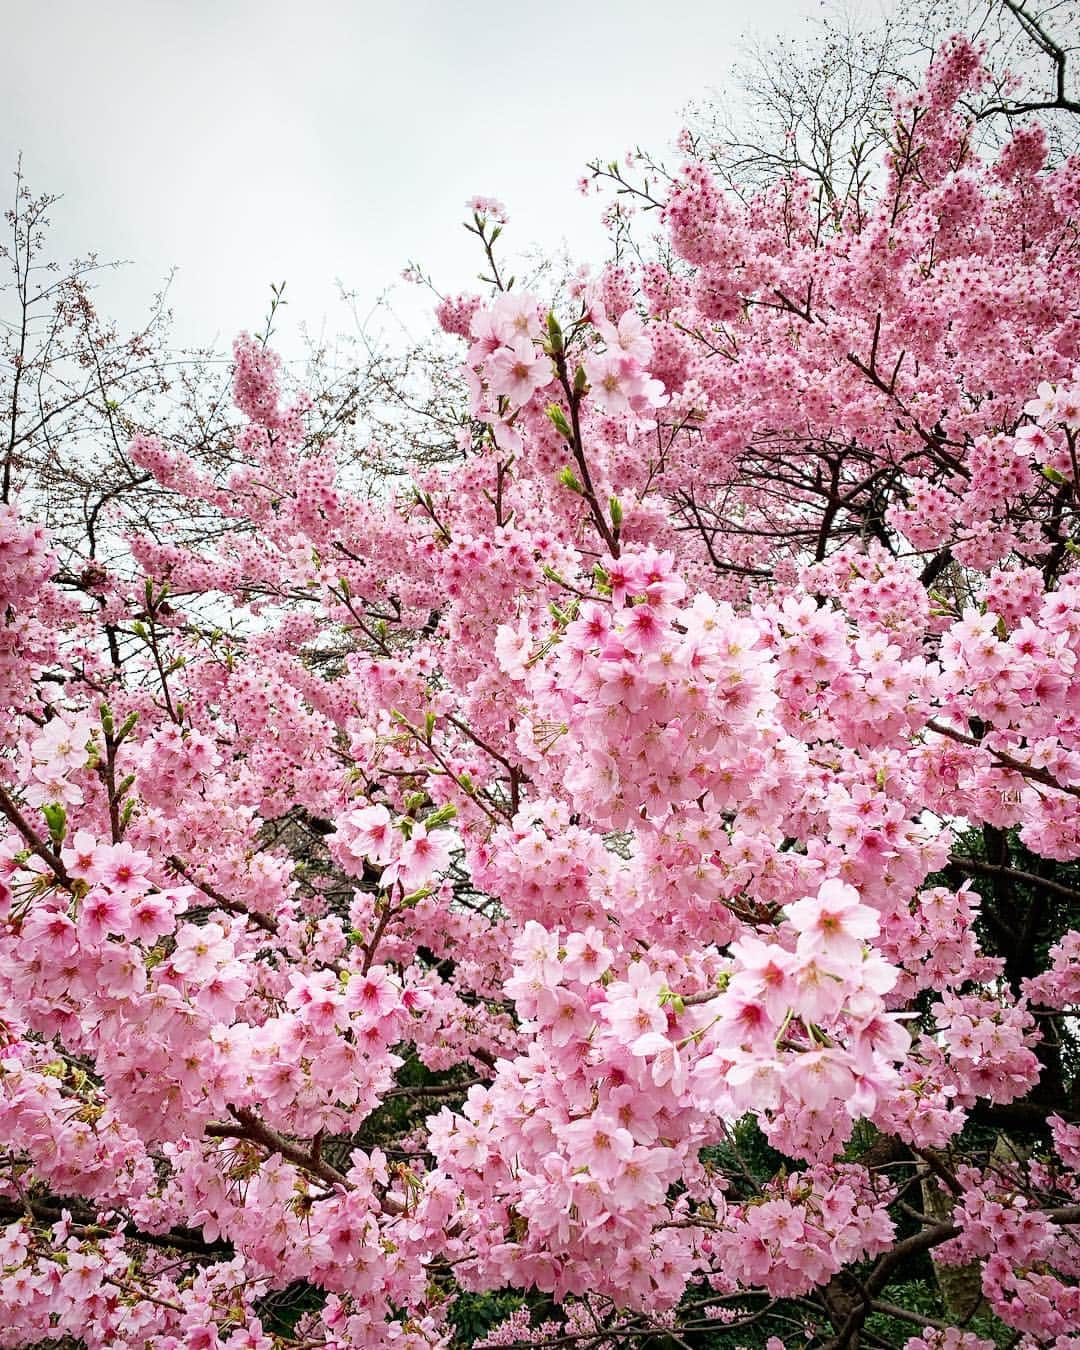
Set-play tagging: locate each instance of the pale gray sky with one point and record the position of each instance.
(245, 141)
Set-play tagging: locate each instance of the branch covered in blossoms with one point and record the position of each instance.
(619, 884)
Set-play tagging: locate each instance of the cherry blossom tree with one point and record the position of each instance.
(618, 885)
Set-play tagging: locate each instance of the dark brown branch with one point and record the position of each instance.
(50, 1211)
(1006, 760)
(1057, 54)
(248, 1126)
(978, 868)
(262, 921)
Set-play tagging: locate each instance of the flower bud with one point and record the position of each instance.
(55, 814)
(441, 816)
(568, 480)
(558, 420)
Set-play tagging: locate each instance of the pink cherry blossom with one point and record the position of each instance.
(607, 832)
(517, 371)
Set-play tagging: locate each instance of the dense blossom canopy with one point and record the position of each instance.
(413, 896)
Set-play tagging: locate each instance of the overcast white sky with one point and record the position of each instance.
(244, 141)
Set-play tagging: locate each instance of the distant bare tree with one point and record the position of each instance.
(75, 391)
(819, 106)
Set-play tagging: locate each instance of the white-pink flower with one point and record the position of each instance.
(516, 372)
(835, 922)
(364, 833)
(626, 337)
(200, 950)
(422, 856)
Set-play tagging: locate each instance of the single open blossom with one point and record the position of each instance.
(512, 650)
(200, 950)
(81, 857)
(1042, 407)
(765, 972)
(644, 630)
(587, 956)
(121, 970)
(419, 858)
(627, 336)
(103, 912)
(619, 385)
(516, 372)
(123, 869)
(835, 923)
(633, 1006)
(62, 744)
(819, 1077)
(666, 1065)
(373, 993)
(367, 832)
(599, 1143)
(48, 785)
(516, 315)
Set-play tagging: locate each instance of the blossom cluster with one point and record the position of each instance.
(414, 896)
